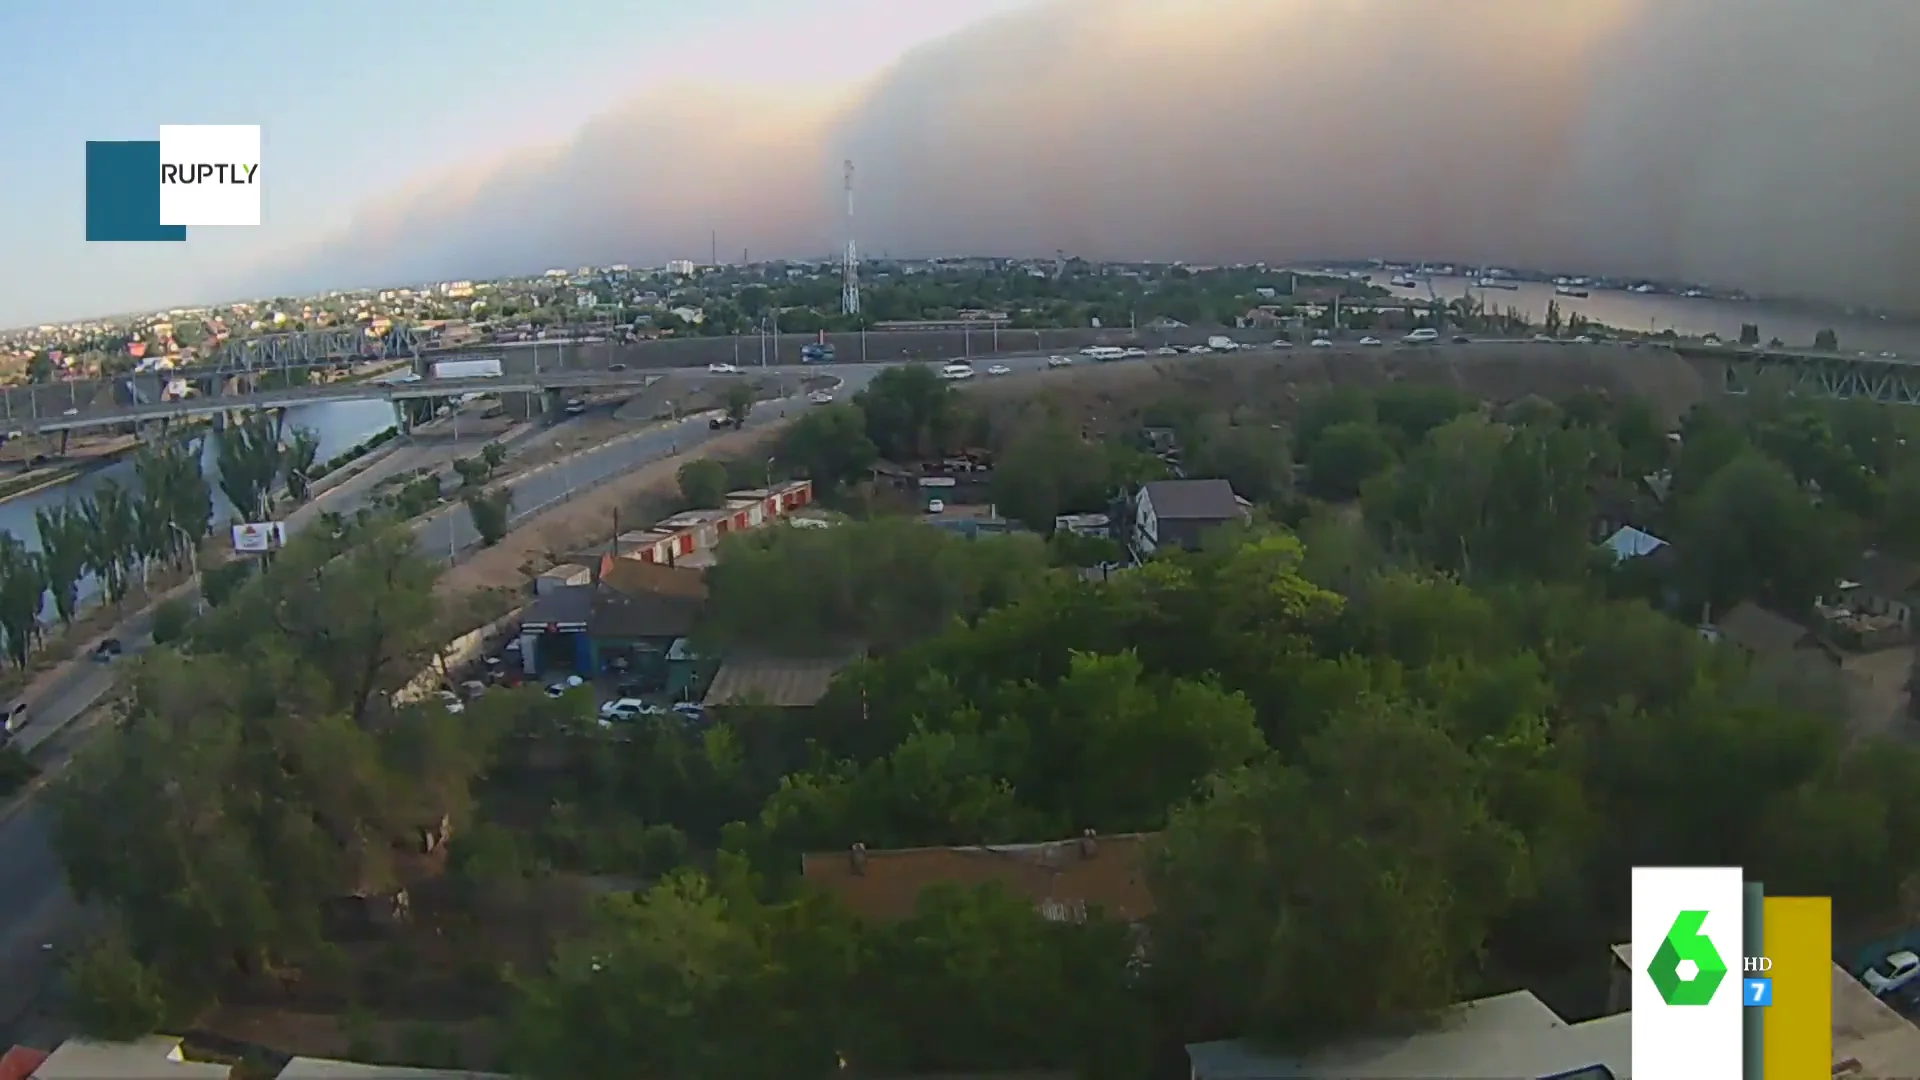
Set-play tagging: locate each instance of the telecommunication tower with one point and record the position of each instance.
(850, 270)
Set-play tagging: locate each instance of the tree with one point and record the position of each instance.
(23, 588)
(64, 547)
(1344, 457)
(828, 445)
(113, 997)
(250, 459)
(492, 512)
(1254, 459)
(171, 619)
(1752, 534)
(301, 451)
(113, 540)
(909, 412)
(494, 454)
(1826, 341)
(703, 483)
(738, 401)
(1047, 469)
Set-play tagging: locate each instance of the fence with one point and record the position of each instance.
(455, 654)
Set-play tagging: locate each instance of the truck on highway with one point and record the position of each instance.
(466, 369)
(1221, 343)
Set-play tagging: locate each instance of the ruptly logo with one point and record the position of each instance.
(192, 175)
(1687, 969)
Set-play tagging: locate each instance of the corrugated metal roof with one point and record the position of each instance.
(785, 681)
(1631, 543)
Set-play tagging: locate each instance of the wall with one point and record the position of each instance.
(456, 654)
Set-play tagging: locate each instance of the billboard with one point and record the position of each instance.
(258, 536)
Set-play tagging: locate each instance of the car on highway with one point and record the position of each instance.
(1425, 335)
(1280, 343)
(715, 423)
(616, 367)
(1461, 339)
(1370, 341)
(999, 369)
(1059, 361)
(957, 371)
(1322, 343)
(401, 379)
(820, 397)
(70, 412)
(1892, 973)
(1583, 340)
(722, 369)
(575, 406)
(1199, 350)
(1542, 337)
(1135, 354)
(1166, 350)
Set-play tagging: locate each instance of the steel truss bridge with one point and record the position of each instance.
(1886, 380)
(314, 348)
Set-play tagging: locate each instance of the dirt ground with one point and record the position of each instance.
(1104, 397)
(585, 520)
(1878, 682)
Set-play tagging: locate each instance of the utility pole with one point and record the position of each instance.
(713, 248)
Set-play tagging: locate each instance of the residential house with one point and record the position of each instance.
(1628, 542)
(1064, 879)
(1179, 513)
(1512, 1035)
(786, 682)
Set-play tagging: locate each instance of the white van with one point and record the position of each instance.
(957, 371)
(1426, 335)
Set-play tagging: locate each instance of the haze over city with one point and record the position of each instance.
(1761, 144)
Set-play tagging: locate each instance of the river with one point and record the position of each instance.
(1686, 316)
(340, 425)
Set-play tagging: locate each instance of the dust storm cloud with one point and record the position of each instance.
(1769, 144)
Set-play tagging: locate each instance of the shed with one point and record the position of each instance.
(787, 682)
(562, 575)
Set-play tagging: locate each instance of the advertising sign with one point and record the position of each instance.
(258, 536)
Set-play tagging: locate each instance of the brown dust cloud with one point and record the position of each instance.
(1772, 145)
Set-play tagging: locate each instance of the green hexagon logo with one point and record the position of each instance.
(1686, 944)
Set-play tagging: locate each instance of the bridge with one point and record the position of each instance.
(100, 413)
(1888, 380)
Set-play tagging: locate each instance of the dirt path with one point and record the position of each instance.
(586, 519)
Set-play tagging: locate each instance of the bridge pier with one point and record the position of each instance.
(64, 436)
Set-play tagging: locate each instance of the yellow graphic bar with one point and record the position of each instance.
(1798, 937)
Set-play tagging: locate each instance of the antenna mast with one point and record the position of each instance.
(850, 268)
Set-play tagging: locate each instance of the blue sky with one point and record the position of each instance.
(355, 98)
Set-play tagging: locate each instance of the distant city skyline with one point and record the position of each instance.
(1672, 139)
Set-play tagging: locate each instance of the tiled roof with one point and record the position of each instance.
(19, 1062)
(1063, 878)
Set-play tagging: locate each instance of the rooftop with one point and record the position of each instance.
(1062, 877)
(1193, 500)
(307, 1068)
(1509, 1035)
(784, 681)
(1753, 627)
(155, 1057)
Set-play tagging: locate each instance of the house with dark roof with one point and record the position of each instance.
(1179, 513)
(1886, 586)
(627, 620)
(1765, 634)
(1064, 879)
(784, 682)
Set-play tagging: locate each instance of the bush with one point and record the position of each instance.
(16, 771)
(171, 619)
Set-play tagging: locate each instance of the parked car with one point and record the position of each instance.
(559, 689)
(1892, 973)
(451, 702)
(627, 710)
(16, 718)
(690, 710)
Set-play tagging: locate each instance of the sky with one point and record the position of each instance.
(1764, 144)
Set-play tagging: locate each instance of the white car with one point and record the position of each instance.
(1059, 361)
(722, 369)
(451, 702)
(1893, 973)
(627, 710)
(1166, 350)
(1199, 350)
(957, 371)
(1281, 343)
(1426, 335)
(1583, 340)
(1369, 341)
(571, 682)
(999, 369)
(1322, 343)
(1135, 354)
(1542, 337)
(820, 397)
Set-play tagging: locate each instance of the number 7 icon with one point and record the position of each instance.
(1758, 993)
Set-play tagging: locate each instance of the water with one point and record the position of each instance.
(340, 425)
(1687, 317)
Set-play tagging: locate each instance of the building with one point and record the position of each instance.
(694, 534)
(308, 1068)
(1064, 879)
(1513, 1036)
(682, 267)
(1881, 585)
(785, 682)
(627, 620)
(1179, 513)
(1765, 634)
(1628, 542)
(154, 1057)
